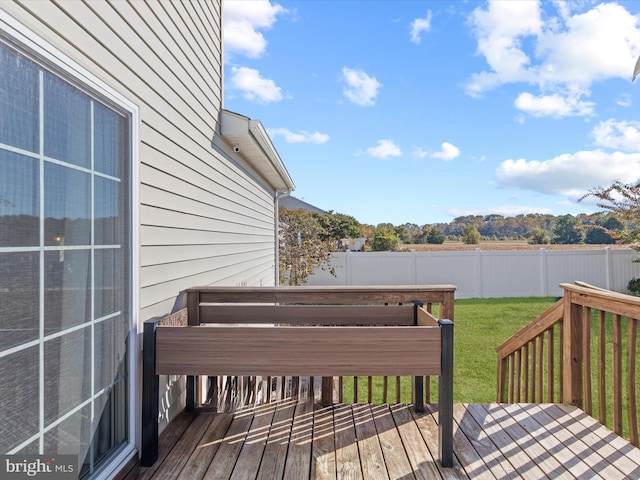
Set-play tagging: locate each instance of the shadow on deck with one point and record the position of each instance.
(297, 440)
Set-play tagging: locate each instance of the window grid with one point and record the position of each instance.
(92, 321)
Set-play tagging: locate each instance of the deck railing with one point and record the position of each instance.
(581, 351)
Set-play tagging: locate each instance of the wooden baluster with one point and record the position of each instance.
(427, 389)
(512, 361)
(385, 386)
(369, 389)
(540, 343)
(550, 365)
(526, 378)
(398, 399)
(534, 369)
(327, 392)
(518, 375)
(586, 356)
(633, 412)
(355, 389)
(502, 377)
(561, 364)
(602, 369)
(617, 375)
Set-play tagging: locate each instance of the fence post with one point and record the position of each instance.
(572, 352)
(479, 272)
(608, 269)
(543, 272)
(445, 394)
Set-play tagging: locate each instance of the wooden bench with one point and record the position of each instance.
(298, 340)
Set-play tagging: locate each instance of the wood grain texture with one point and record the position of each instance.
(298, 351)
(308, 314)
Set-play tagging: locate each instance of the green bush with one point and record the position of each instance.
(634, 286)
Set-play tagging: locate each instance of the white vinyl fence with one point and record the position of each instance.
(477, 274)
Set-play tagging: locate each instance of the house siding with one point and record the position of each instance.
(204, 217)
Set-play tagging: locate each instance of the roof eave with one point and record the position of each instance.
(249, 139)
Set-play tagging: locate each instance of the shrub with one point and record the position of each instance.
(634, 286)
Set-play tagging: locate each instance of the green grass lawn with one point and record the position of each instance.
(480, 326)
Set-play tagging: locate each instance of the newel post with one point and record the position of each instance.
(572, 352)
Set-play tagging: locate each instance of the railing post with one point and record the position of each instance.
(445, 394)
(418, 381)
(572, 352)
(150, 396)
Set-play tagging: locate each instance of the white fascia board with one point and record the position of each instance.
(250, 141)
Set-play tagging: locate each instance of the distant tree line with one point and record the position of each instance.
(596, 228)
(331, 229)
(307, 239)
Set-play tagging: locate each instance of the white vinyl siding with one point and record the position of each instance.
(203, 218)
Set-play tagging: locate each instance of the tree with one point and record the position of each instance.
(623, 200)
(470, 235)
(565, 231)
(404, 234)
(338, 225)
(539, 237)
(385, 239)
(435, 236)
(597, 235)
(303, 247)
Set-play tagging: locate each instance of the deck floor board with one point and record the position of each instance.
(362, 441)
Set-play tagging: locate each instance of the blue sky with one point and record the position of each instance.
(423, 111)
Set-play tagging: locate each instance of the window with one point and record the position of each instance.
(65, 273)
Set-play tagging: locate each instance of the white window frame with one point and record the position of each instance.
(28, 42)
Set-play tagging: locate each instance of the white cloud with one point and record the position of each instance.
(301, 137)
(361, 89)
(420, 25)
(500, 29)
(447, 152)
(253, 86)
(554, 105)
(562, 55)
(386, 148)
(570, 175)
(598, 44)
(617, 135)
(242, 22)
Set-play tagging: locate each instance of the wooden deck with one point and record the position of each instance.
(297, 441)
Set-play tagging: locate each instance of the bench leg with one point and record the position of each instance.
(150, 397)
(445, 395)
